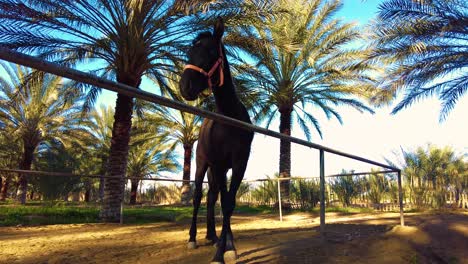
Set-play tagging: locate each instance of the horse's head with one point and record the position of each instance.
(205, 63)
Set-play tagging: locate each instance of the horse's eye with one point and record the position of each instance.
(197, 43)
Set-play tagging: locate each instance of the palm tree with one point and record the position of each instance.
(267, 191)
(306, 193)
(101, 118)
(9, 149)
(55, 157)
(430, 173)
(39, 108)
(151, 153)
(458, 172)
(346, 188)
(425, 44)
(300, 67)
(377, 186)
(183, 128)
(129, 39)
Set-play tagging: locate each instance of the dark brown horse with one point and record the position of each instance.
(220, 147)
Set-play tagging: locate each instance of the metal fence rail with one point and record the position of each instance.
(64, 174)
(94, 176)
(79, 76)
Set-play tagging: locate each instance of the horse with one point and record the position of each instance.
(220, 147)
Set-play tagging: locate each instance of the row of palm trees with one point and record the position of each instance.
(291, 58)
(431, 173)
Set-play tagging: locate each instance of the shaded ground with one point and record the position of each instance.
(360, 238)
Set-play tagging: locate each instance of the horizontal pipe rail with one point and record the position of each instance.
(65, 174)
(79, 76)
(361, 173)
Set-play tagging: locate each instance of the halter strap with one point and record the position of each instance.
(209, 74)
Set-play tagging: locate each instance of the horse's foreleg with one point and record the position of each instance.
(238, 171)
(210, 218)
(219, 255)
(199, 175)
(219, 176)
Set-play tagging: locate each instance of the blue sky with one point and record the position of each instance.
(376, 137)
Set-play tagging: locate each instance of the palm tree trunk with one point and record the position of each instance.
(285, 158)
(87, 186)
(104, 162)
(186, 192)
(4, 191)
(117, 166)
(101, 189)
(28, 156)
(133, 191)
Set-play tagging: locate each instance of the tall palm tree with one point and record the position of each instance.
(102, 119)
(301, 66)
(128, 39)
(37, 108)
(183, 128)
(425, 44)
(151, 153)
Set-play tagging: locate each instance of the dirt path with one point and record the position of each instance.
(359, 238)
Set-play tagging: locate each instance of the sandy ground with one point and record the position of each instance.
(361, 238)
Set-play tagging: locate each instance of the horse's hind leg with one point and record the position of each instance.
(199, 175)
(210, 218)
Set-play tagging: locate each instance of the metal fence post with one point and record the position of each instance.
(279, 201)
(322, 191)
(400, 198)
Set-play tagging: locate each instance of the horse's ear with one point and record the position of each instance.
(218, 28)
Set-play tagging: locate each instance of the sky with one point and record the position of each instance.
(376, 136)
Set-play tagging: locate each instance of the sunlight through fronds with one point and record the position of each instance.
(424, 45)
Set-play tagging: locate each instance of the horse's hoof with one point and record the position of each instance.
(230, 255)
(216, 262)
(212, 242)
(192, 245)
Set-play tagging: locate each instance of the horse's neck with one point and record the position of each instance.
(227, 102)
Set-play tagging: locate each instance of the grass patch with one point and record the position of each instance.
(65, 214)
(43, 215)
(260, 209)
(49, 213)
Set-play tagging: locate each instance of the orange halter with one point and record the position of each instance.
(218, 64)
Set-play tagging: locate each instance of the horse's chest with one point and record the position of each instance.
(221, 144)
